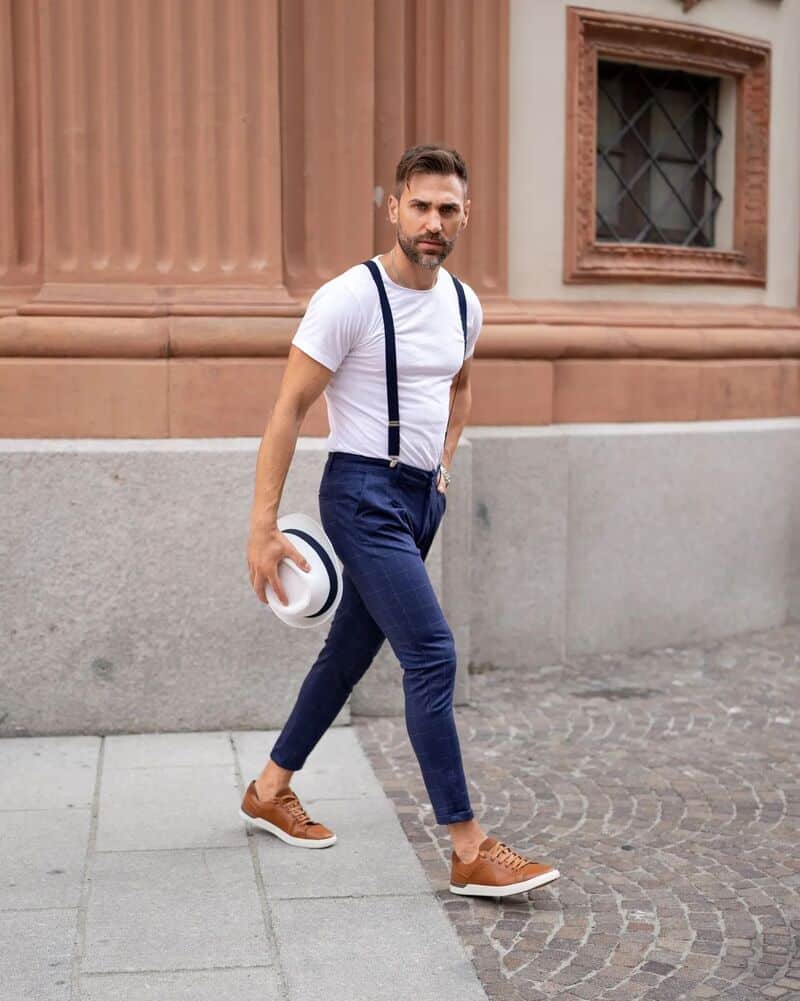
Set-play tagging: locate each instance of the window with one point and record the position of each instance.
(660, 184)
(657, 137)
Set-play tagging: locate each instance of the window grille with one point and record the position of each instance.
(657, 137)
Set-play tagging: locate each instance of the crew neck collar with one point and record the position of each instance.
(405, 288)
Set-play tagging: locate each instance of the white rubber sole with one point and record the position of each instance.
(478, 890)
(265, 825)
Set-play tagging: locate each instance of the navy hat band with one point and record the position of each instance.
(319, 549)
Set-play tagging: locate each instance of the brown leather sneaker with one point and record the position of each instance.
(497, 872)
(284, 816)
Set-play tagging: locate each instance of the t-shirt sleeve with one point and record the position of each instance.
(331, 324)
(474, 321)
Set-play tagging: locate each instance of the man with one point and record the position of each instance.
(390, 342)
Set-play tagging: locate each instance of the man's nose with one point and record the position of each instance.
(434, 223)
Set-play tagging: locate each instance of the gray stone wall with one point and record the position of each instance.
(628, 537)
(125, 604)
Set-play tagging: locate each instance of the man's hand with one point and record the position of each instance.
(265, 549)
(441, 485)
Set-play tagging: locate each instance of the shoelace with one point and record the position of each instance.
(294, 806)
(507, 856)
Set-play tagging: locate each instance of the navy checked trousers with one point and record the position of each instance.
(381, 521)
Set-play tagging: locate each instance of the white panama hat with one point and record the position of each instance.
(313, 595)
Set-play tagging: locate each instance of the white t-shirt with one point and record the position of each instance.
(343, 330)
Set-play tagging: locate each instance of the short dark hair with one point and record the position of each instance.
(429, 159)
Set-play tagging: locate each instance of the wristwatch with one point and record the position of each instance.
(445, 474)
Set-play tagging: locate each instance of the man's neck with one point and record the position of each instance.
(404, 272)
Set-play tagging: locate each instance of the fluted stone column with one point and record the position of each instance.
(161, 150)
(20, 174)
(441, 75)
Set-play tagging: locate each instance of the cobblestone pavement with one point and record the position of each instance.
(666, 789)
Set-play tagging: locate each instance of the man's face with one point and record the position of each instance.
(429, 215)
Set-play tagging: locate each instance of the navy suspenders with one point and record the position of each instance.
(391, 365)
(462, 309)
(391, 356)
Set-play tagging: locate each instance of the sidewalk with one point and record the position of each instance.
(127, 873)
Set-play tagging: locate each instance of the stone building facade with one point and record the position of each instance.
(178, 176)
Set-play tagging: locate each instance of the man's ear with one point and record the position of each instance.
(393, 205)
(465, 220)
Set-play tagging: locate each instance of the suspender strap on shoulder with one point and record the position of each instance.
(462, 309)
(391, 365)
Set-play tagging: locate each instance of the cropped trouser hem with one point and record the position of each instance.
(455, 818)
(288, 764)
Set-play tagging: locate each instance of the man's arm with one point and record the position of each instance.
(303, 381)
(461, 404)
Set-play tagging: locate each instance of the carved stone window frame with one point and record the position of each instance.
(593, 35)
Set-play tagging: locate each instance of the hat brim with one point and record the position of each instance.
(303, 523)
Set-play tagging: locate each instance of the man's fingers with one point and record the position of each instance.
(277, 587)
(260, 578)
(259, 583)
(295, 557)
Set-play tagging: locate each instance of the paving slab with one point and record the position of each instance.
(156, 750)
(43, 773)
(42, 854)
(162, 910)
(173, 807)
(256, 983)
(372, 949)
(336, 768)
(371, 855)
(36, 954)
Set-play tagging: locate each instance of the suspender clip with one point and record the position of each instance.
(393, 462)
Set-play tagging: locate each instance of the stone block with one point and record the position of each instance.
(519, 526)
(41, 864)
(36, 954)
(163, 910)
(371, 856)
(145, 620)
(256, 983)
(48, 773)
(677, 534)
(373, 949)
(175, 807)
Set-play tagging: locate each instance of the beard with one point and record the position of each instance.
(429, 258)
